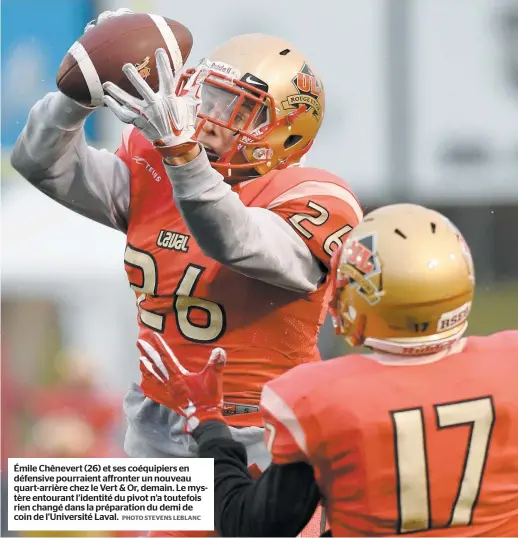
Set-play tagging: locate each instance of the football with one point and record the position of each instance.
(100, 53)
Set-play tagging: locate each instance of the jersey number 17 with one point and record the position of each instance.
(412, 465)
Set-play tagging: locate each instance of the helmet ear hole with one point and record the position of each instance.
(291, 141)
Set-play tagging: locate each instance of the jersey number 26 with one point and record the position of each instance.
(183, 300)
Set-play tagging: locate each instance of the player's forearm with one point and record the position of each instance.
(251, 240)
(54, 123)
(279, 503)
(52, 154)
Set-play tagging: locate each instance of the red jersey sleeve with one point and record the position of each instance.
(291, 430)
(124, 149)
(322, 209)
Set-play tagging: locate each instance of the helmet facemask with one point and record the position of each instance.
(244, 117)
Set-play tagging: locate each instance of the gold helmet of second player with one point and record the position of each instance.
(403, 282)
(263, 93)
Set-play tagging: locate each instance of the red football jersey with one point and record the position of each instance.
(398, 447)
(197, 303)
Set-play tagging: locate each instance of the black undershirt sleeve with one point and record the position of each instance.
(279, 503)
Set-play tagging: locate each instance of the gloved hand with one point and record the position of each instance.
(164, 118)
(107, 15)
(198, 397)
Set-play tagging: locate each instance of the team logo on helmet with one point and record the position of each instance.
(360, 264)
(309, 89)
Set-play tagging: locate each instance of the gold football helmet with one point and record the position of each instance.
(403, 282)
(262, 91)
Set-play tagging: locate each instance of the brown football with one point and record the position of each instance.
(100, 53)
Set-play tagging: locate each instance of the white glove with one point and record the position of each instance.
(164, 118)
(107, 15)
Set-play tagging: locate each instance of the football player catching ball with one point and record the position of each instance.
(229, 237)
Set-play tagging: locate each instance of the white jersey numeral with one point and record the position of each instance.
(316, 220)
(183, 300)
(412, 462)
(332, 241)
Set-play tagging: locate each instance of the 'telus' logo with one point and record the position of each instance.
(156, 176)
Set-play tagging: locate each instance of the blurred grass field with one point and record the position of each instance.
(495, 309)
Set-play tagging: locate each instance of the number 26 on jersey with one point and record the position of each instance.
(183, 300)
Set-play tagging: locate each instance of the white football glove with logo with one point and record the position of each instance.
(107, 15)
(164, 118)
